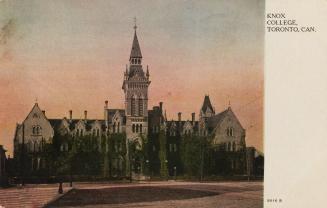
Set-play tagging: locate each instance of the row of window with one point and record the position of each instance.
(186, 132)
(37, 163)
(172, 147)
(136, 61)
(140, 107)
(96, 132)
(230, 131)
(155, 129)
(116, 127)
(137, 85)
(64, 147)
(36, 130)
(118, 147)
(137, 128)
(35, 146)
(80, 132)
(231, 146)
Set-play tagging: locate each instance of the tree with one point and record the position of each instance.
(163, 154)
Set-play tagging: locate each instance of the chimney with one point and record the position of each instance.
(85, 114)
(43, 112)
(106, 104)
(179, 116)
(70, 114)
(160, 106)
(193, 117)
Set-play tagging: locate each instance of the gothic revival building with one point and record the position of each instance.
(223, 130)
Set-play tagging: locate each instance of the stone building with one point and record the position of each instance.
(136, 120)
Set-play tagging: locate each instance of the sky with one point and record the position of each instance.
(71, 54)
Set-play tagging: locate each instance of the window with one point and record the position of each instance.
(115, 146)
(172, 132)
(170, 147)
(133, 107)
(140, 107)
(36, 130)
(93, 132)
(137, 128)
(98, 132)
(118, 127)
(133, 128)
(140, 128)
(77, 132)
(230, 131)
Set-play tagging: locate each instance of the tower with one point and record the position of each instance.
(206, 112)
(135, 86)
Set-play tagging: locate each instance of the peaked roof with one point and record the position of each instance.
(215, 120)
(35, 108)
(136, 50)
(206, 104)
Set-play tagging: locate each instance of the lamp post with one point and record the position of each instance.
(166, 161)
(147, 168)
(175, 172)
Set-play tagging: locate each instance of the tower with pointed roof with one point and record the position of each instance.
(135, 86)
(206, 110)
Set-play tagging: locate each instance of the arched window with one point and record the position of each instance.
(34, 130)
(114, 128)
(77, 132)
(98, 132)
(133, 107)
(141, 107)
(230, 131)
(118, 127)
(137, 128)
(82, 132)
(93, 132)
(133, 128)
(34, 146)
(141, 128)
(234, 146)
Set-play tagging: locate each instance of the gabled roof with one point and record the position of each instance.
(55, 123)
(35, 108)
(206, 104)
(216, 120)
(136, 50)
(112, 112)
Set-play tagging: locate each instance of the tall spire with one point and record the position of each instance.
(136, 50)
(135, 27)
(207, 104)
